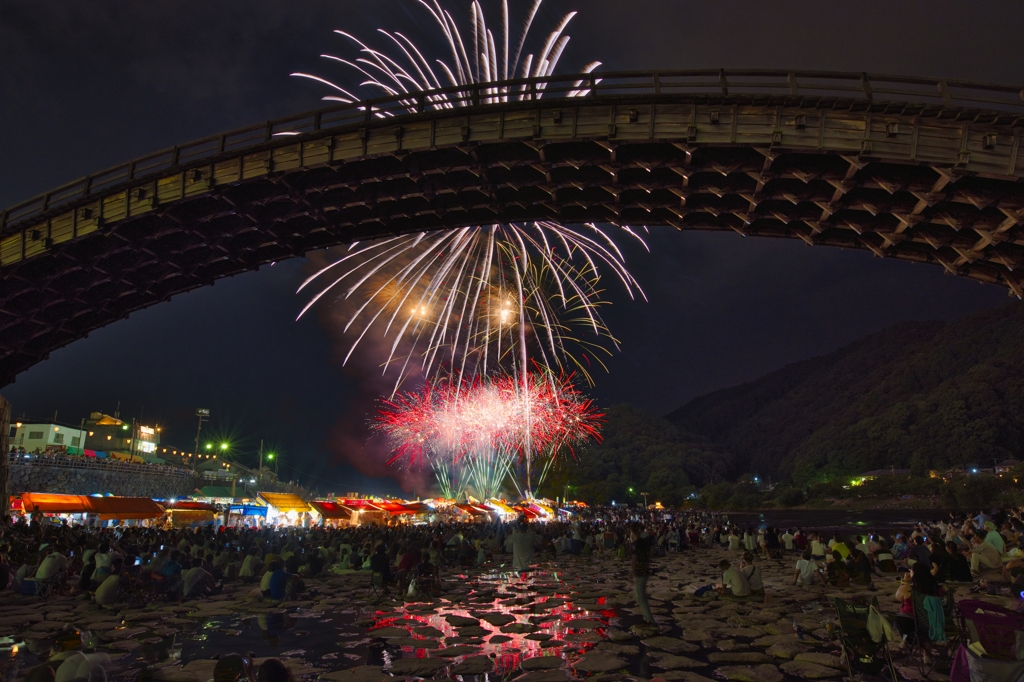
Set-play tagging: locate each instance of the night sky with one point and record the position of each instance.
(86, 84)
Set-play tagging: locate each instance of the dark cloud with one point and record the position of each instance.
(85, 84)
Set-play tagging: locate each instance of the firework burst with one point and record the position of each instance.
(476, 430)
(482, 298)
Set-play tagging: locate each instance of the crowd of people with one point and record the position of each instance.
(109, 563)
(959, 549)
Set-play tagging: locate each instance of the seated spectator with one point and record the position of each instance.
(959, 567)
(984, 554)
(899, 548)
(275, 581)
(273, 670)
(380, 563)
(920, 580)
(252, 566)
(939, 560)
(837, 575)
(113, 585)
(836, 544)
(53, 567)
(752, 573)
(197, 582)
(734, 584)
(993, 537)
(919, 552)
(807, 571)
(818, 549)
(859, 568)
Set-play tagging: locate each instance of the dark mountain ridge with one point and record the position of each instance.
(919, 394)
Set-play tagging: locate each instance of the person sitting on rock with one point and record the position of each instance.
(859, 568)
(807, 571)
(734, 584)
(752, 573)
(837, 575)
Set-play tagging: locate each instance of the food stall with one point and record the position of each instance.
(80, 508)
(250, 515)
(188, 513)
(286, 509)
(332, 513)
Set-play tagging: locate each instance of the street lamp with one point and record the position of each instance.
(204, 415)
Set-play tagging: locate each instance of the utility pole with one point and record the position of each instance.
(261, 463)
(203, 414)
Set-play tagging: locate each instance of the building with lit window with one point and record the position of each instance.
(118, 437)
(54, 438)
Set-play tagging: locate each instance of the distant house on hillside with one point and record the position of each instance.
(875, 473)
(1005, 466)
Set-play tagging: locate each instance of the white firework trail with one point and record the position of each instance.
(473, 299)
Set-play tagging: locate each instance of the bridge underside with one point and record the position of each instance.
(941, 187)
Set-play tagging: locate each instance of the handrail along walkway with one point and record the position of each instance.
(753, 83)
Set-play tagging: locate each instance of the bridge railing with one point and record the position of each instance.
(88, 463)
(696, 82)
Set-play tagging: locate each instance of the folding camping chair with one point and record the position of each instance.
(379, 587)
(860, 649)
(994, 626)
(923, 641)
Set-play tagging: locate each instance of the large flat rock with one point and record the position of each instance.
(809, 671)
(542, 663)
(750, 673)
(418, 667)
(600, 662)
(474, 665)
(672, 645)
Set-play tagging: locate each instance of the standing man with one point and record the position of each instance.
(524, 543)
(641, 568)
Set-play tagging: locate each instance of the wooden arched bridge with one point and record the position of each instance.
(912, 168)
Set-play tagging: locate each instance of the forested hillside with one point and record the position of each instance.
(918, 395)
(922, 395)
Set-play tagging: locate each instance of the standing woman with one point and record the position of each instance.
(641, 568)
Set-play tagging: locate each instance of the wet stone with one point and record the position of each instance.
(419, 667)
(474, 631)
(739, 657)
(616, 635)
(474, 665)
(414, 643)
(600, 662)
(674, 662)
(787, 650)
(809, 671)
(518, 628)
(542, 663)
(458, 650)
(539, 636)
(585, 624)
(454, 621)
(670, 644)
(619, 649)
(821, 659)
(499, 639)
(428, 631)
(683, 676)
(543, 676)
(747, 673)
